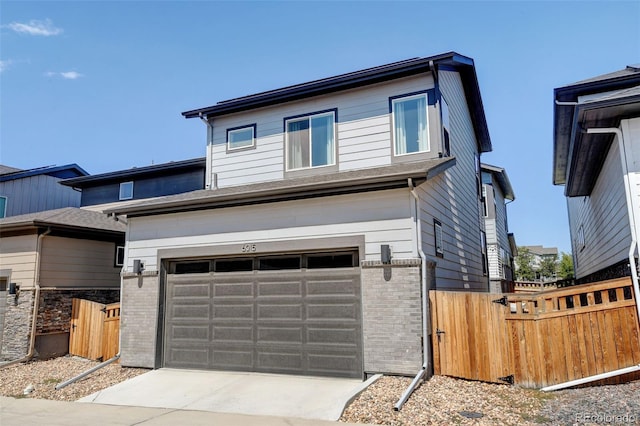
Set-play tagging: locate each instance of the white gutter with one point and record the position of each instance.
(425, 306)
(632, 261)
(209, 181)
(36, 304)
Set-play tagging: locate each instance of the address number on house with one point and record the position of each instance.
(249, 248)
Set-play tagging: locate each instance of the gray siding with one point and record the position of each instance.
(72, 262)
(452, 199)
(363, 132)
(604, 219)
(37, 193)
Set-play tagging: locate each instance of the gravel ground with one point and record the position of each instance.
(43, 376)
(445, 401)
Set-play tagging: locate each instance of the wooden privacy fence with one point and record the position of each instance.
(95, 329)
(536, 340)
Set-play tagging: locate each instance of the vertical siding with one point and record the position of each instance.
(452, 199)
(37, 193)
(72, 262)
(382, 217)
(363, 132)
(18, 255)
(604, 218)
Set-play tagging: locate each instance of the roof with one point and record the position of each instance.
(599, 102)
(68, 218)
(61, 172)
(462, 64)
(542, 251)
(376, 178)
(501, 177)
(6, 169)
(136, 172)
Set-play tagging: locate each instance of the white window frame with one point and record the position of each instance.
(403, 98)
(446, 127)
(236, 130)
(119, 250)
(123, 189)
(309, 117)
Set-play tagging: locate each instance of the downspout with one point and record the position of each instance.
(425, 306)
(210, 180)
(36, 304)
(632, 261)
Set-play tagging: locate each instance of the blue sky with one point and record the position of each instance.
(102, 84)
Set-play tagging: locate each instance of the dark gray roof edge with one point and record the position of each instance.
(63, 218)
(135, 171)
(343, 182)
(503, 180)
(47, 170)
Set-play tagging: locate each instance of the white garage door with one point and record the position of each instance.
(296, 314)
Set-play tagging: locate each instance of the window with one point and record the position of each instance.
(119, 255)
(581, 240)
(446, 128)
(485, 208)
(485, 259)
(437, 231)
(3, 207)
(409, 115)
(126, 190)
(310, 140)
(241, 137)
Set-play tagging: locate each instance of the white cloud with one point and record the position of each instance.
(67, 75)
(4, 64)
(35, 27)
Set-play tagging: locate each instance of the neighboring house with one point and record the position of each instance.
(109, 189)
(35, 190)
(501, 247)
(330, 208)
(46, 259)
(539, 255)
(597, 159)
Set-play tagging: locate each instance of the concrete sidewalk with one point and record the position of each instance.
(38, 412)
(279, 395)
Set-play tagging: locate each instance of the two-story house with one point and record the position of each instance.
(597, 159)
(497, 192)
(38, 189)
(330, 208)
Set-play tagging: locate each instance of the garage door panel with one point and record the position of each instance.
(304, 321)
(280, 334)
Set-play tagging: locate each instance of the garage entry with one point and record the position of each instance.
(292, 314)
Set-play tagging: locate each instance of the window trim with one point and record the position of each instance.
(254, 132)
(286, 120)
(413, 95)
(437, 236)
(119, 249)
(446, 126)
(120, 196)
(3, 211)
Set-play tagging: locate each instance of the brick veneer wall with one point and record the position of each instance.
(392, 317)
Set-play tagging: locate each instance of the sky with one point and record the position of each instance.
(103, 84)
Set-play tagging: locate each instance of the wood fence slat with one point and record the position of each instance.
(95, 329)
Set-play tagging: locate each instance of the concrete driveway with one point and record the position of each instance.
(235, 392)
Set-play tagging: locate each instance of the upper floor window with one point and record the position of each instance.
(410, 124)
(446, 128)
(3, 206)
(126, 191)
(241, 137)
(437, 233)
(310, 140)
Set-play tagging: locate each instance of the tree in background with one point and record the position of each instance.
(565, 267)
(524, 265)
(548, 268)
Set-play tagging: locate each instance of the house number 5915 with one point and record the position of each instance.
(248, 248)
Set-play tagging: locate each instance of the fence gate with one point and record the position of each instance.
(539, 339)
(469, 336)
(95, 329)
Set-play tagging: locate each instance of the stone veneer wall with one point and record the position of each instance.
(392, 316)
(17, 326)
(139, 319)
(54, 312)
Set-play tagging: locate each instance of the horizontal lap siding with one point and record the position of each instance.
(382, 217)
(18, 256)
(604, 218)
(452, 199)
(363, 132)
(71, 262)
